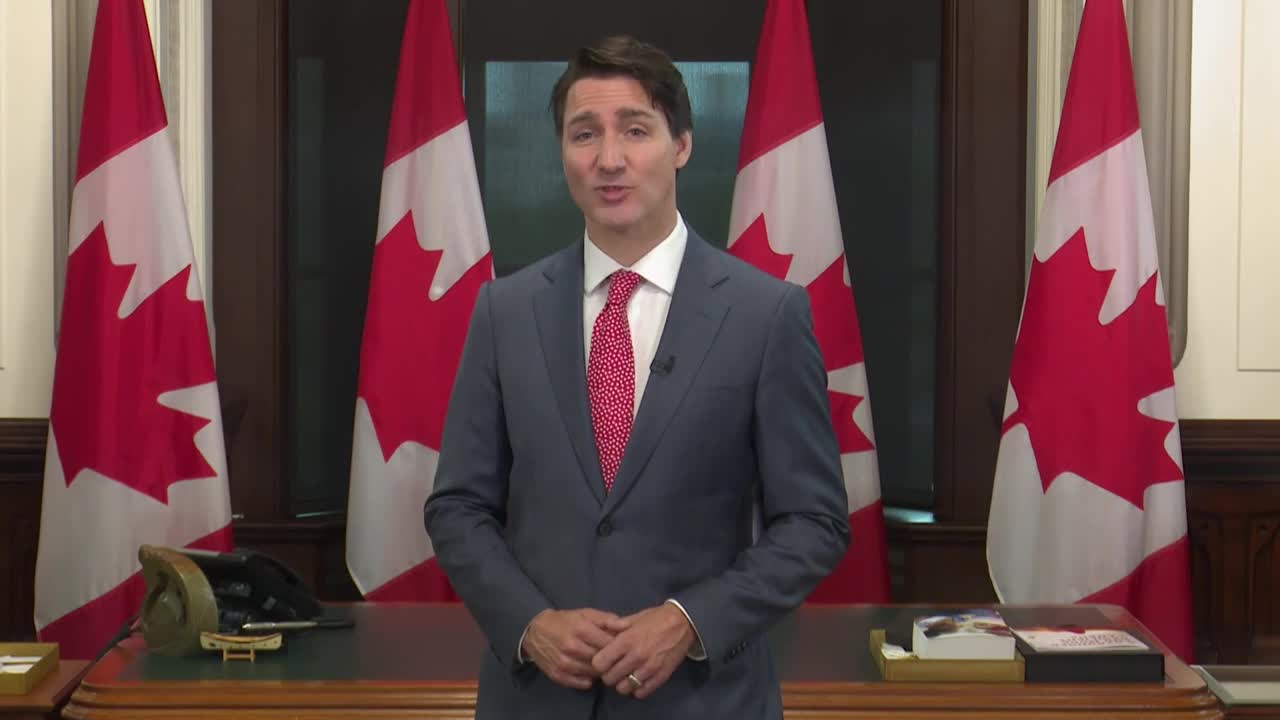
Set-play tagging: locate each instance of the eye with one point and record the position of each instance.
(581, 136)
(637, 132)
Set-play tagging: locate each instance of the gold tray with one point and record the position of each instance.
(24, 682)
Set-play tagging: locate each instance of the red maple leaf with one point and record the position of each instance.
(110, 372)
(835, 323)
(753, 247)
(1078, 382)
(412, 344)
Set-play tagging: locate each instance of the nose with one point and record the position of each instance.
(611, 158)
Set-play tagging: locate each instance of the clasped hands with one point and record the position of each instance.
(635, 654)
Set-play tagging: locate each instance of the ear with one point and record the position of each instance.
(684, 147)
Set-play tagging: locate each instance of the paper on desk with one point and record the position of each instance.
(29, 659)
(894, 652)
(16, 668)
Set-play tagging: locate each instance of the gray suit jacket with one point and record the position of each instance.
(739, 419)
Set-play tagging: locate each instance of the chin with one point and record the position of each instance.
(616, 221)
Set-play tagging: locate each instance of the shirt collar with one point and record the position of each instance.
(659, 266)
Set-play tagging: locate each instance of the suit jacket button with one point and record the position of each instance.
(604, 529)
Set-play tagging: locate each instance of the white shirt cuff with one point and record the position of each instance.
(698, 651)
(521, 658)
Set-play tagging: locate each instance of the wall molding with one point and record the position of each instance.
(1214, 447)
(1239, 444)
(22, 444)
(258, 532)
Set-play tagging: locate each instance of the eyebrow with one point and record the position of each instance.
(622, 114)
(631, 113)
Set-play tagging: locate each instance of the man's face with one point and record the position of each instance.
(620, 160)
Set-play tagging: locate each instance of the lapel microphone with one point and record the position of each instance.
(662, 366)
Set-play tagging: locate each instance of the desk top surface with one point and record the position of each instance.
(424, 654)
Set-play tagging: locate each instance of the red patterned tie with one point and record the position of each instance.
(611, 375)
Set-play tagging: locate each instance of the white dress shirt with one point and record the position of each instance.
(647, 309)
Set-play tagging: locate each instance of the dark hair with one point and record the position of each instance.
(622, 55)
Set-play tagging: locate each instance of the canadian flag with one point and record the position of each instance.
(431, 257)
(135, 450)
(1088, 504)
(784, 221)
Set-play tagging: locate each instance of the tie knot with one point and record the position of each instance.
(624, 283)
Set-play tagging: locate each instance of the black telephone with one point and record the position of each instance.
(193, 592)
(252, 587)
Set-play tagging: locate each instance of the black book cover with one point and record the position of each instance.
(1146, 665)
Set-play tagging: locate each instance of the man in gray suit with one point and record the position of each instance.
(638, 473)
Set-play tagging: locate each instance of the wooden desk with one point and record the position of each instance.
(47, 697)
(420, 661)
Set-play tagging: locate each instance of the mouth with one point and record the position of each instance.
(612, 193)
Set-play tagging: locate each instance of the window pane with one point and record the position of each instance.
(878, 68)
(342, 67)
(527, 207)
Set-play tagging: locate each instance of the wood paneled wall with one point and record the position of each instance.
(21, 471)
(1233, 508)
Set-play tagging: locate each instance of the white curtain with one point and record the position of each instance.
(1160, 35)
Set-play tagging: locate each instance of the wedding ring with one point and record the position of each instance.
(635, 680)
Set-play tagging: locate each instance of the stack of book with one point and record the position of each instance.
(968, 646)
(1071, 644)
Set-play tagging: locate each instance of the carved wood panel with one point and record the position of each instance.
(21, 467)
(1207, 581)
(1233, 505)
(1264, 589)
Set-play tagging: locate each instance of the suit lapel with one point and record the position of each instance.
(558, 310)
(693, 320)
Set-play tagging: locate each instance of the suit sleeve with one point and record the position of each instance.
(466, 512)
(804, 506)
